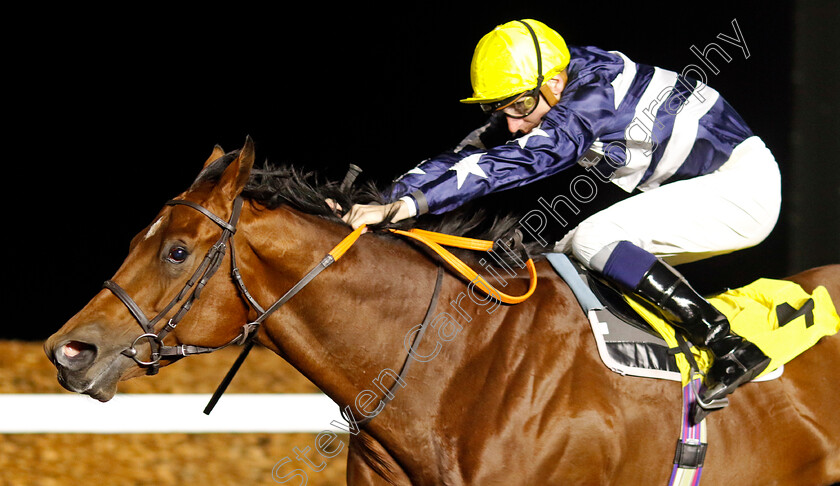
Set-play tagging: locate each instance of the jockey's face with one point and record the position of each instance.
(526, 124)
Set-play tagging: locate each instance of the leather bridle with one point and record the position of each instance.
(213, 259)
(206, 269)
(188, 294)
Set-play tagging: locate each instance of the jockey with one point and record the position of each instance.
(698, 182)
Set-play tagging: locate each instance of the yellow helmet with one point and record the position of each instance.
(507, 60)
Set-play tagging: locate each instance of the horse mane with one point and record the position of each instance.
(307, 191)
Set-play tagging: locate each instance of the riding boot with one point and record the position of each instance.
(736, 360)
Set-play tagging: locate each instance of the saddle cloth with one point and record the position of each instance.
(633, 339)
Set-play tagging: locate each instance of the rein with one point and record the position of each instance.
(435, 240)
(213, 259)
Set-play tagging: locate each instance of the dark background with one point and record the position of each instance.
(113, 112)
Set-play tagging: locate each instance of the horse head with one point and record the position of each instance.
(114, 337)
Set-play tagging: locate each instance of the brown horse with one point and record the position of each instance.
(498, 394)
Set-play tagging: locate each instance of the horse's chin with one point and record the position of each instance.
(102, 394)
(99, 383)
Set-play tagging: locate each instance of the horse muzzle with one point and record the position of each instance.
(83, 367)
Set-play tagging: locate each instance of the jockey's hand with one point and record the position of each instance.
(361, 214)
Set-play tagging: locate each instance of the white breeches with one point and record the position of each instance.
(733, 208)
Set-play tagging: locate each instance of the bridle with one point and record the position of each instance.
(206, 269)
(188, 294)
(213, 260)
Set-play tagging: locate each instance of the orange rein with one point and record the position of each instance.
(434, 241)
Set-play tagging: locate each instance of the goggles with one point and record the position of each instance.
(518, 106)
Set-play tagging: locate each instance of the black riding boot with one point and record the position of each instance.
(736, 360)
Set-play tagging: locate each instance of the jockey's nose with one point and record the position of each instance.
(520, 125)
(514, 124)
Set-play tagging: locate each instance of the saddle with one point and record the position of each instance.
(634, 339)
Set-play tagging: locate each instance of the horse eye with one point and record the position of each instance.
(177, 255)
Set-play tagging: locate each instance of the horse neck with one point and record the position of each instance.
(349, 323)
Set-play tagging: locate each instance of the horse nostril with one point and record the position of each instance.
(72, 349)
(76, 355)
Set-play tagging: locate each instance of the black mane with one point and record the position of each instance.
(274, 186)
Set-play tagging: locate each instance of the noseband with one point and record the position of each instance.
(188, 294)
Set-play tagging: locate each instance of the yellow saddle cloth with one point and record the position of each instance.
(777, 315)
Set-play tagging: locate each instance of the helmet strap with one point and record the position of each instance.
(548, 95)
(539, 54)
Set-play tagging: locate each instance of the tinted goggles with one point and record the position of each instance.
(518, 106)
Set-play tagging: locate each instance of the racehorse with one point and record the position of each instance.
(497, 393)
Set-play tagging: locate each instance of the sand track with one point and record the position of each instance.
(155, 459)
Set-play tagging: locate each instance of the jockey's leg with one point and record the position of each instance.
(730, 209)
(736, 360)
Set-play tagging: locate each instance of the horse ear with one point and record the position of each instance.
(238, 172)
(217, 152)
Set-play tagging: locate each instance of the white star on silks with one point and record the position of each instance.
(415, 171)
(466, 166)
(536, 132)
